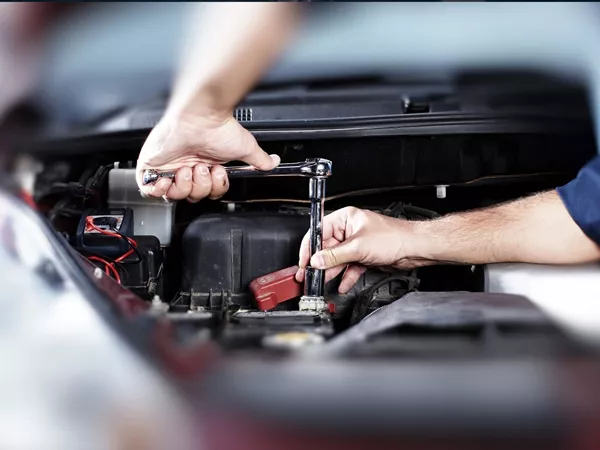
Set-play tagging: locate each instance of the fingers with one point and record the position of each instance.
(258, 158)
(304, 256)
(342, 254)
(334, 226)
(330, 274)
(220, 183)
(201, 183)
(182, 185)
(159, 188)
(191, 183)
(350, 277)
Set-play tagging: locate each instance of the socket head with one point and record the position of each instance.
(317, 167)
(149, 176)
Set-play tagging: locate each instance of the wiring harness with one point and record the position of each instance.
(110, 267)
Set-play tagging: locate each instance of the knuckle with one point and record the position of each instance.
(203, 188)
(216, 194)
(360, 213)
(354, 248)
(176, 195)
(332, 257)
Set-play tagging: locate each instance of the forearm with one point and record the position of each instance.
(232, 45)
(536, 229)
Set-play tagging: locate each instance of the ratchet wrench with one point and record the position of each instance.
(312, 167)
(317, 170)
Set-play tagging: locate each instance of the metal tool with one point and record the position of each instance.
(318, 170)
(312, 167)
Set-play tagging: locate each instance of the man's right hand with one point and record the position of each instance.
(511, 232)
(354, 239)
(195, 146)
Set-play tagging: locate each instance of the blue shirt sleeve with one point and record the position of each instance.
(581, 197)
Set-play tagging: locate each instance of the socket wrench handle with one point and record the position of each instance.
(312, 167)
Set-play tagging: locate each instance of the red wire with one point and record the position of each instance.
(107, 266)
(90, 222)
(124, 255)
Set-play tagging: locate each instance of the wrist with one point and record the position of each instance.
(432, 241)
(413, 244)
(202, 103)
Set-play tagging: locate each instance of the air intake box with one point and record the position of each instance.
(223, 253)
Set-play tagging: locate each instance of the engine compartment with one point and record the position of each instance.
(195, 262)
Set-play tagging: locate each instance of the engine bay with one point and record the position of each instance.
(196, 263)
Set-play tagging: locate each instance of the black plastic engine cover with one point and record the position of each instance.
(223, 253)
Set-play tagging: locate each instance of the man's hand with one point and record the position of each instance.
(230, 46)
(195, 146)
(354, 239)
(517, 231)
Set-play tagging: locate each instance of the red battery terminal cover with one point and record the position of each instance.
(274, 288)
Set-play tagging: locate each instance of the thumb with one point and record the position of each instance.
(344, 253)
(153, 151)
(258, 158)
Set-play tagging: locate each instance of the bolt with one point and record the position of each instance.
(440, 190)
(98, 273)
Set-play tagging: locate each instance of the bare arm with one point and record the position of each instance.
(536, 229)
(231, 46)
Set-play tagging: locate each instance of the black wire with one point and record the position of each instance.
(85, 252)
(139, 255)
(403, 210)
(133, 247)
(366, 297)
(117, 265)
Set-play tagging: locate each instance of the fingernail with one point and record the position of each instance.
(203, 170)
(220, 173)
(317, 261)
(152, 189)
(276, 159)
(187, 173)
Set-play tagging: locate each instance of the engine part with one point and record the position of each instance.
(292, 340)
(223, 253)
(369, 298)
(453, 323)
(152, 217)
(274, 288)
(141, 271)
(91, 239)
(144, 277)
(317, 169)
(255, 329)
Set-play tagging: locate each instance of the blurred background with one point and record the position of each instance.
(98, 62)
(102, 57)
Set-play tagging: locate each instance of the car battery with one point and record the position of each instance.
(118, 222)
